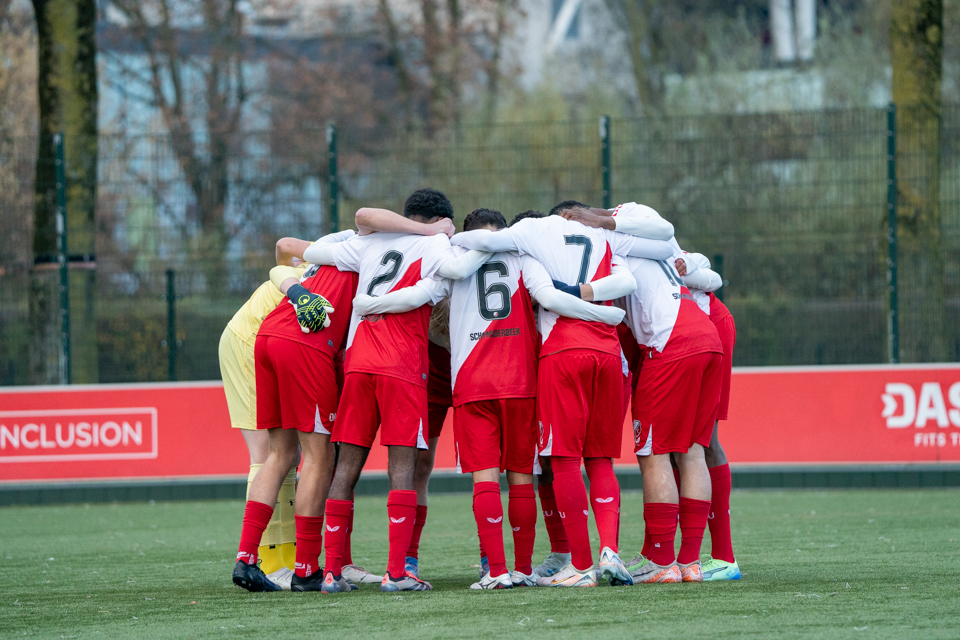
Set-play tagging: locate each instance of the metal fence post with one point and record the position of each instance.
(718, 268)
(63, 258)
(171, 325)
(333, 186)
(893, 313)
(605, 161)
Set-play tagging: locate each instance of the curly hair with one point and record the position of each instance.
(484, 217)
(427, 203)
(523, 215)
(567, 204)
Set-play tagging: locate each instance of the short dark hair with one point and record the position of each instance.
(567, 204)
(482, 217)
(427, 203)
(523, 215)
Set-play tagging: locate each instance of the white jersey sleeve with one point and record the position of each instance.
(535, 277)
(436, 251)
(348, 254)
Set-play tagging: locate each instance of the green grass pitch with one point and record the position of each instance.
(858, 564)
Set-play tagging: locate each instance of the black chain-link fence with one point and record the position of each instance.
(792, 207)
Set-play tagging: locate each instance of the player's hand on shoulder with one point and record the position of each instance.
(443, 226)
(583, 216)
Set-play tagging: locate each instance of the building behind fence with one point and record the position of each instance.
(792, 208)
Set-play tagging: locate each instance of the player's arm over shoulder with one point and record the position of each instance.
(641, 221)
(541, 289)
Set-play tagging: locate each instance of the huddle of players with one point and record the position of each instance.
(510, 372)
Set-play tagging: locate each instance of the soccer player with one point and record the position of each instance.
(675, 405)
(559, 555)
(439, 391)
(579, 388)
(386, 376)
(722, 565)
(296, 406)
(276, 549)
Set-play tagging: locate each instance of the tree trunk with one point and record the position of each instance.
(67, 88)
(637, 18)
(432, 49)
(493, 72)
(916, 41)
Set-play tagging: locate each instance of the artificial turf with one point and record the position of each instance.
(815, 564)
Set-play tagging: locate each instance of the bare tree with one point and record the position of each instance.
(67, 88)
(916, 38)
(437, 49)
(176, 57)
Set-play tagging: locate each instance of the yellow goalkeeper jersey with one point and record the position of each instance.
(246, 322)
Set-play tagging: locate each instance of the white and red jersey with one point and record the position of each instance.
(493, 334)
(392, 344)
(574, 254)
(662, 312)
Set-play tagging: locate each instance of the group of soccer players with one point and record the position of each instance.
(536, 334)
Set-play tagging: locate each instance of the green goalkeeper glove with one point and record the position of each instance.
(313, 311)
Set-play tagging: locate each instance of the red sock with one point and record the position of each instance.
(337, 513)
(402, 511)
(573, 506)
(522, 510)
(347, 557)
(551, 518)
(605, 500)
(309, 544)
(645, 552)
(488, 512)
(719, 522)
(693, 520)
(256, 517)
(421, 520)
(660, 519)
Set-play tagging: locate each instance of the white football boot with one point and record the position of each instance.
(570, 576)
(281, 577)
(551, 564)
(612, 568)
(358, 575)
(494, 582)
(523, 580)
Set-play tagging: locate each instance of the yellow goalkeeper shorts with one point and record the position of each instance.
(239, 380)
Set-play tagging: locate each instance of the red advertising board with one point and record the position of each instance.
(778, 415)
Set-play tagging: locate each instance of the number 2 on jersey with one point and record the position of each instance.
(584, 241)
(484, 292)
(390, 274)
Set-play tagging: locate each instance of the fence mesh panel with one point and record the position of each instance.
(791, 207)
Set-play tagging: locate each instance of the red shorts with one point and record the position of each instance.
(675, 404)
(305, 375)
(371, 402)
(580, 400)
(496, 434)
(728, 337)
(438, 402)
